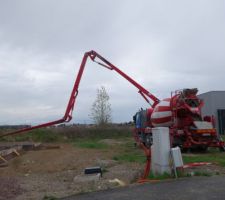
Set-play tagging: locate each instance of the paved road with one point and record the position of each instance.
(195, 188)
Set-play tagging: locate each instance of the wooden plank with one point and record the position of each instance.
(9, 151)
(3, 159)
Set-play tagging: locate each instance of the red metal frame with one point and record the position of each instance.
(147, 152)
(192, 137)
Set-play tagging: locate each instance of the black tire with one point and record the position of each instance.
(202, 149)
(148, 140)
(199, 149)
(184, 150)
(222, 149)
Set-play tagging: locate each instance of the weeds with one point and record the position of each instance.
(202, 173)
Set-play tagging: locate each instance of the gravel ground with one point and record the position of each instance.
(10, 188)
(59, 173)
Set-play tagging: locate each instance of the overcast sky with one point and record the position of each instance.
(163, 45)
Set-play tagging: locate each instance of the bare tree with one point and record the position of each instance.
(101, 108)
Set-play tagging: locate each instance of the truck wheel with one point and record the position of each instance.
(148, 140)
(222, 149)
(184, 150)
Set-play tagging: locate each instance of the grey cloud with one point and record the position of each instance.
(164, 45)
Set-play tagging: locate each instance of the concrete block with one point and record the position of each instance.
(160, 162)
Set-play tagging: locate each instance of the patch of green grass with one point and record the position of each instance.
(194, 173)
(104, 170)
(129, 153)
(179, 174)
(223, 137)
(217, 173)
(129, 157)
(202, 173)
(214, 157)
(90, 144)
(46, 197)
(160, 176)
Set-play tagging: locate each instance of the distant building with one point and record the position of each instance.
(214, 104)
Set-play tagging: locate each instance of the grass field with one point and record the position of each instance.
(70, 134)
(127, 152)
(90, 137)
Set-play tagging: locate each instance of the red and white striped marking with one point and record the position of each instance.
(162, 115)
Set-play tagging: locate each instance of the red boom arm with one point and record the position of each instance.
(68, 113)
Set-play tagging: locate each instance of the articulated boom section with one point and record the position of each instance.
(95, 57)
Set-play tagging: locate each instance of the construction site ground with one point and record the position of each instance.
(59, 172)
